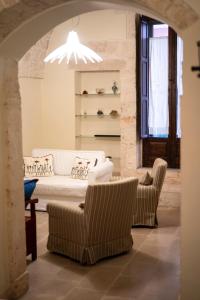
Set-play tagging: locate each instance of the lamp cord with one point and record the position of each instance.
(75, 22)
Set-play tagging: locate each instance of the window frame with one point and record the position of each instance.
(170, 146)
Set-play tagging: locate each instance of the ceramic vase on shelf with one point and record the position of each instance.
(114, 87)
(100, 113)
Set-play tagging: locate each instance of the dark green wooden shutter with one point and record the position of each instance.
(144, 76)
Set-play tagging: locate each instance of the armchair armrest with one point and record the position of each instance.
(143, 191)
(72, 210)
(101, 173)
(71, 216)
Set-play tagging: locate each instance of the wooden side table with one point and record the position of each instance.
(31, 236)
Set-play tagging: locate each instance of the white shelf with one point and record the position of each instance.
(95, 94)
(93, 131)
(98, 116)
(116, 137)
(98, 71)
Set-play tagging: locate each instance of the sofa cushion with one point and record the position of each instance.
(146, 179)
(38, 166)
(62, 186)
(64, 159)
(81, 167)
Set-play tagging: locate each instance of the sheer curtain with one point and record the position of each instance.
(158, 118)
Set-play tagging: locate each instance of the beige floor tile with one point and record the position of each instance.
(74, 272)
(83, 294)
(119, 261)
(34, 296)
(100, 279)
(48, 289)
(162, 288)
(115, 298)
(143, 269)
(150, 271)
(127, 286)
(54, 287)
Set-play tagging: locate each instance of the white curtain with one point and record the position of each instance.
(158, 118)
(179, 82)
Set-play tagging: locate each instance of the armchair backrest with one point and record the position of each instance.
(158, 173)
(109, 209)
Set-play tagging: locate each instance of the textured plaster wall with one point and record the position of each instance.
(178, 12)
(7, 3)
(31, 65)
(190, 238)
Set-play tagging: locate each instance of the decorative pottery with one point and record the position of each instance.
(100, 90)
(100, 112)
(114, 87)
(85, 92)
(114, 113)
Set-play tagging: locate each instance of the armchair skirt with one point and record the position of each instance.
(101, 229)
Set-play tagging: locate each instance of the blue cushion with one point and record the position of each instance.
(29, 186)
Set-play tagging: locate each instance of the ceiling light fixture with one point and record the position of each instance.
(73, 49)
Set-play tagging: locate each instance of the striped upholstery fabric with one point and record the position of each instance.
(101, 229)
(146, 203)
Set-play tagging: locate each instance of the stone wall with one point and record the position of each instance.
(31, 64)
(13, 275)
(180, 14)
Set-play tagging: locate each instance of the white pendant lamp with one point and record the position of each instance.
(73, 49)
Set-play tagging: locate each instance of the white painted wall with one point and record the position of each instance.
(48, 106)
(190, 160)
(58, 91)
(58, 121)
(31, 99)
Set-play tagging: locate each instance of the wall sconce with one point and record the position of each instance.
(197, 68)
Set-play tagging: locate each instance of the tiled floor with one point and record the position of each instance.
(149, 272)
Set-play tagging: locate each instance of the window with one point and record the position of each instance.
(159, 71)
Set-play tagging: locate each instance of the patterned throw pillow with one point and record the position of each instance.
(38, 166)
(81, 167)
(82, 205)
(146, 179)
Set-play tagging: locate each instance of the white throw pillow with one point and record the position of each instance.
(38, 166)
(81, 167)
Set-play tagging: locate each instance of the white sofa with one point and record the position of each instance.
(61, 186)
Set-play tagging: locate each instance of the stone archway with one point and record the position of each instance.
(25, 22)
(22, 24)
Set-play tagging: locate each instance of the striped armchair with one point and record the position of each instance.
(101, 229)
(146, 203)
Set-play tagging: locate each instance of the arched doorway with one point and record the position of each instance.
(16, 37)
